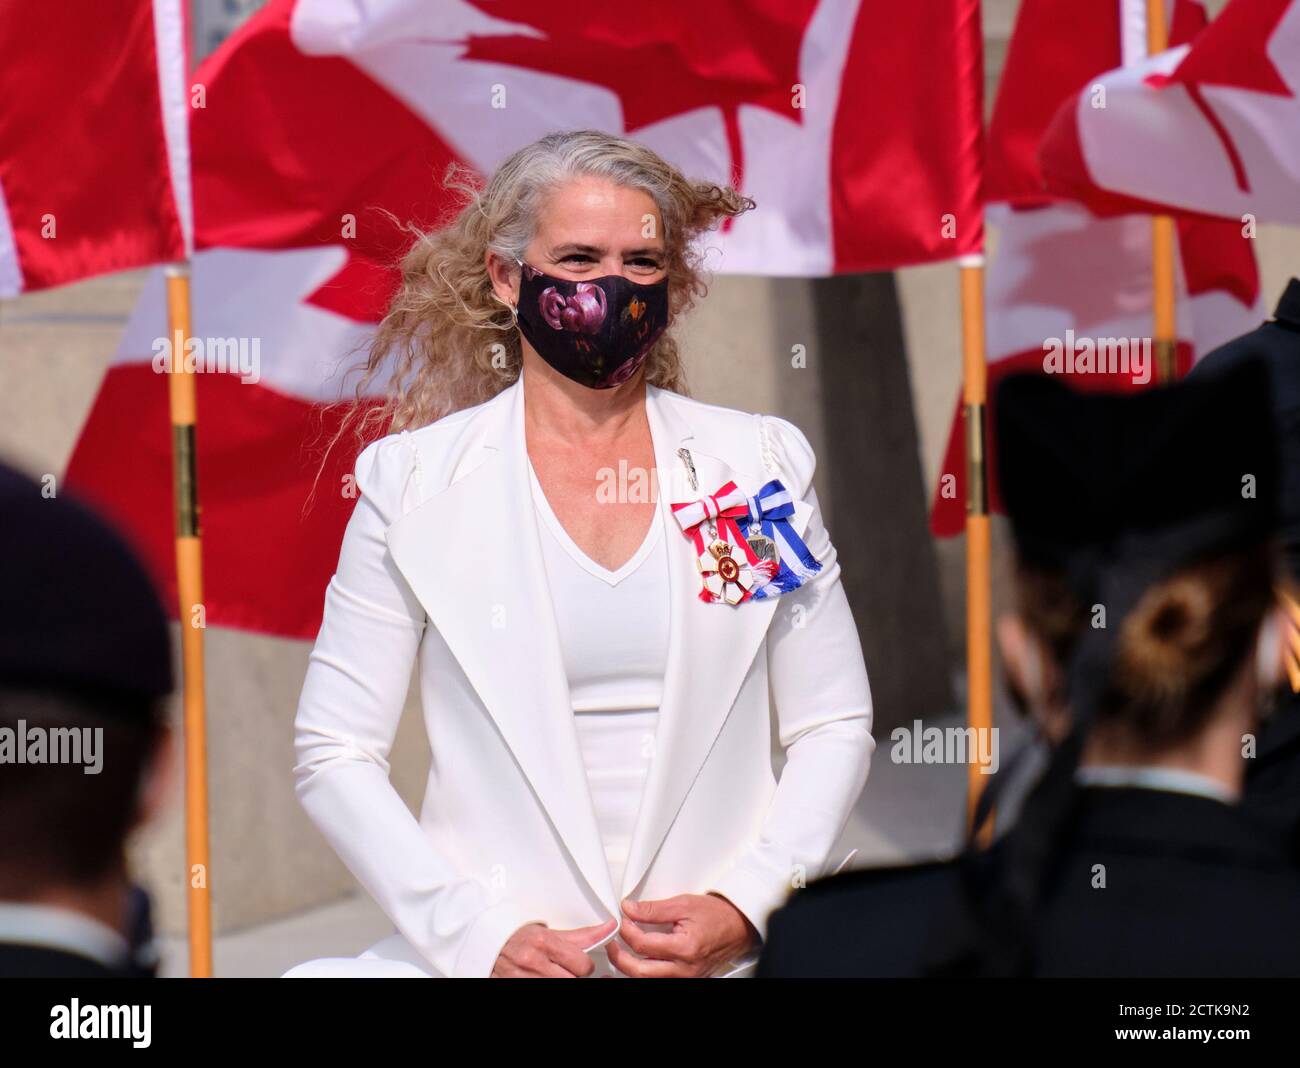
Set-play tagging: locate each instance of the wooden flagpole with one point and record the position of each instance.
(189, 583)
(979, 608)
(1164, 242)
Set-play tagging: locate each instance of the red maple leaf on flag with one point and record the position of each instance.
(274, 169)
(663, 59)
(1234, 54)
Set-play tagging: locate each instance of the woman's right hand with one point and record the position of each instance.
(536, 952)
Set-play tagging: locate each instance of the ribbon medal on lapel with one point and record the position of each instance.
(772, 537)
(730, 570)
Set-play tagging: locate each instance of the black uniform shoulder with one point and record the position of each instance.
(19, 960)
(1157, 883)
(871, 922)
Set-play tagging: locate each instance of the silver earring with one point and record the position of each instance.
(514, 308)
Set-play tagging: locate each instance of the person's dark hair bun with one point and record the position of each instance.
(1165, 643)
(1177, 648)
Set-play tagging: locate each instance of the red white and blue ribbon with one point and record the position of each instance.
(770, 510)
(709, 522)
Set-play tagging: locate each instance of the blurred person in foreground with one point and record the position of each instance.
(1273, 773)
(85, 666)
(1146, 634)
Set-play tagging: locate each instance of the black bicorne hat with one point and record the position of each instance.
(1096, 478)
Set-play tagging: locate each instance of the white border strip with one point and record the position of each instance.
(173, 93)
(1132, 32)
(11, 273)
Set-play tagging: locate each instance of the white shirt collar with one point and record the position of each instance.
(53, 927)
(1174, 780)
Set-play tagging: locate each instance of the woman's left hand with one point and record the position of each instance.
(707, 932)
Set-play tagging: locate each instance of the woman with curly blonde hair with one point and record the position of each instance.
(611, 595)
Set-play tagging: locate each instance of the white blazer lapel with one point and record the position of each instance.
(471, 554)
(712, 646)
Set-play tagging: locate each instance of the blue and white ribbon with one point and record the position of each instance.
(771, 509)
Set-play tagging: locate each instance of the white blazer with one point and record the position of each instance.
(441, 566)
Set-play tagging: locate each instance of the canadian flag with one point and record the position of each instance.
(1068, 291)
(94, 160)
(1211, 126)
(854, 124)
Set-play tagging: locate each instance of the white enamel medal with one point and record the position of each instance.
(731, 572)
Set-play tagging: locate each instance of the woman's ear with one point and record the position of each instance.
(502, 274)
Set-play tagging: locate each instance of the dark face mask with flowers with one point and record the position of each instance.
(596, 331)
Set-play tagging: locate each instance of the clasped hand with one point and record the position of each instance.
(706, 931)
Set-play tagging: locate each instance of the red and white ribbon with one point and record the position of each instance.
(732, 576)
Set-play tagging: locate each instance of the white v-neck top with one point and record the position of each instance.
(613, 628)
